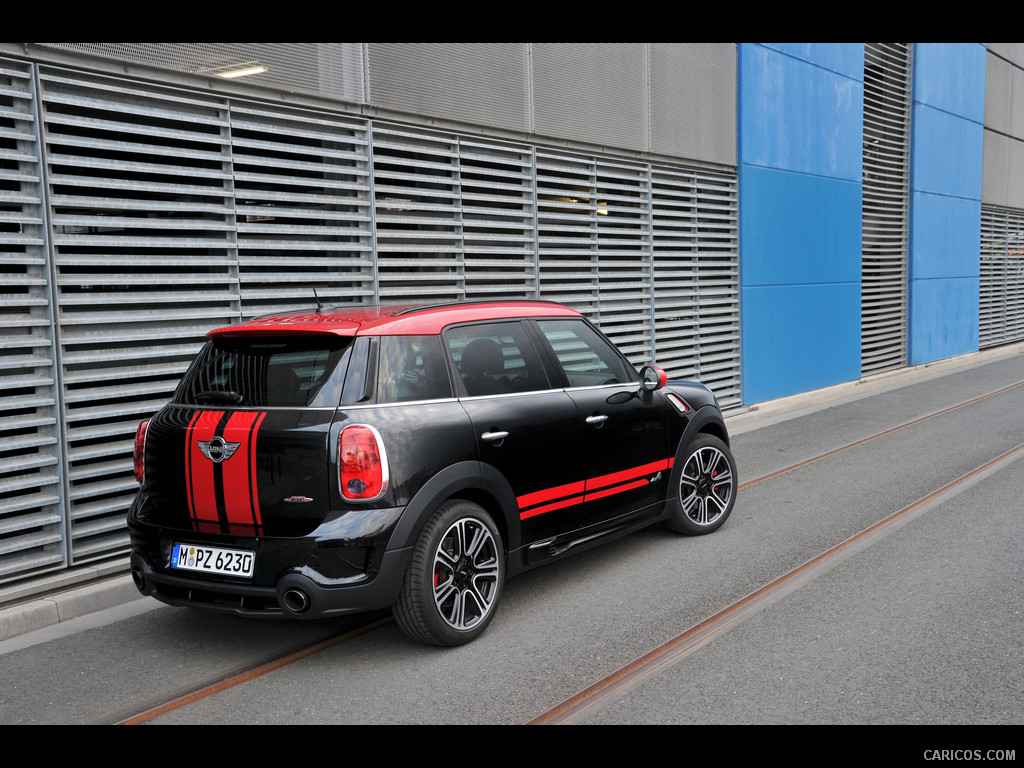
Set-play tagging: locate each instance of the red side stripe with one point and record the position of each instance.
(616, 489)
(627, 474)
(616, 482)
(549, 507)
(529, 499)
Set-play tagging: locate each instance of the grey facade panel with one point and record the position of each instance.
(482, 83)
(997, 93)
(693, 101)
(333, 70)
(995, 167)
(1003, 163)
(677, 100)
(590, 92)
(1015, 174)
(1013, 52)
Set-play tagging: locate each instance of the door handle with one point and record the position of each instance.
(494, 436)
(597, 421)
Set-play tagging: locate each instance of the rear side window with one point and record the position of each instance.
(411, 368)
(266, 373)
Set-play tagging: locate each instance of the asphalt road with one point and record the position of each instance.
(923, 624)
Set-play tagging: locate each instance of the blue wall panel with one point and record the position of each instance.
(945, 233)
(798, 337)
(945, 212)
(845, 59)
(943, 318)
(944, 158)
(798, 229)
(951, 77)
(796, 116)
(800, 133)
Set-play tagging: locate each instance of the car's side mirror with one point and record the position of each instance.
(652, 377)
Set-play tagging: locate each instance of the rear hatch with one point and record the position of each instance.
(243, 447)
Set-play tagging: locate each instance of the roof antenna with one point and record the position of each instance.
(319, 306)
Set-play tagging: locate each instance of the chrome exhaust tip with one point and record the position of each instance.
(296, 601)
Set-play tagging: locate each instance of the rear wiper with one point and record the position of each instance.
(224, 396)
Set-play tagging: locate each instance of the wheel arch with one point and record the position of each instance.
(706, 421)
(714, 428)
(472, 481)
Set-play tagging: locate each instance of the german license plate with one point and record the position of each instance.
(227, 562)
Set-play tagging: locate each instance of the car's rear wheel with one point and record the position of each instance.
(707, 488)
(453, 584)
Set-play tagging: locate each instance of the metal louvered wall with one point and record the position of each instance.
(885, 206)
(136, 217)
(1001, 305)
(32, 526)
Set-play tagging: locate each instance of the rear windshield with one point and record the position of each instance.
(265, 373)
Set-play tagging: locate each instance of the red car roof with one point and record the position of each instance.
(405, 320)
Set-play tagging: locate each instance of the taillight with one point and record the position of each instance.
(362, 463)
(139, 454)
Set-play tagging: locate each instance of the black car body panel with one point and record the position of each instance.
(521, 409)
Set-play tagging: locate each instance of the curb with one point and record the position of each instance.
(69, 595)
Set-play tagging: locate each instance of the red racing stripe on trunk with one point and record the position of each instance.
(254, 496)
(237, 479)
(201, 488)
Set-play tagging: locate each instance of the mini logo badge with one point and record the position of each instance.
(217, 449)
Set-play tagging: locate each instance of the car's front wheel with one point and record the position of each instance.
(707, 488)
(453, 584)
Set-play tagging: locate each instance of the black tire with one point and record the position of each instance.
(454, 582)
(706, 489)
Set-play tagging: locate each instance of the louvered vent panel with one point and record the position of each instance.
(885, 205)
(1001, 301)
(31, 524)
(567, 230)
(418, 216)
(140, 204)
(498, 238)
(302, 202)
(622, 218)
(696, 285)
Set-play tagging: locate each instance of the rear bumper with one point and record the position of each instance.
(343, 567)
(296, 594)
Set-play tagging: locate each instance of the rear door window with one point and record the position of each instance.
(495, 359)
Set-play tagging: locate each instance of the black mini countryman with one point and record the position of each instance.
(342, 460)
